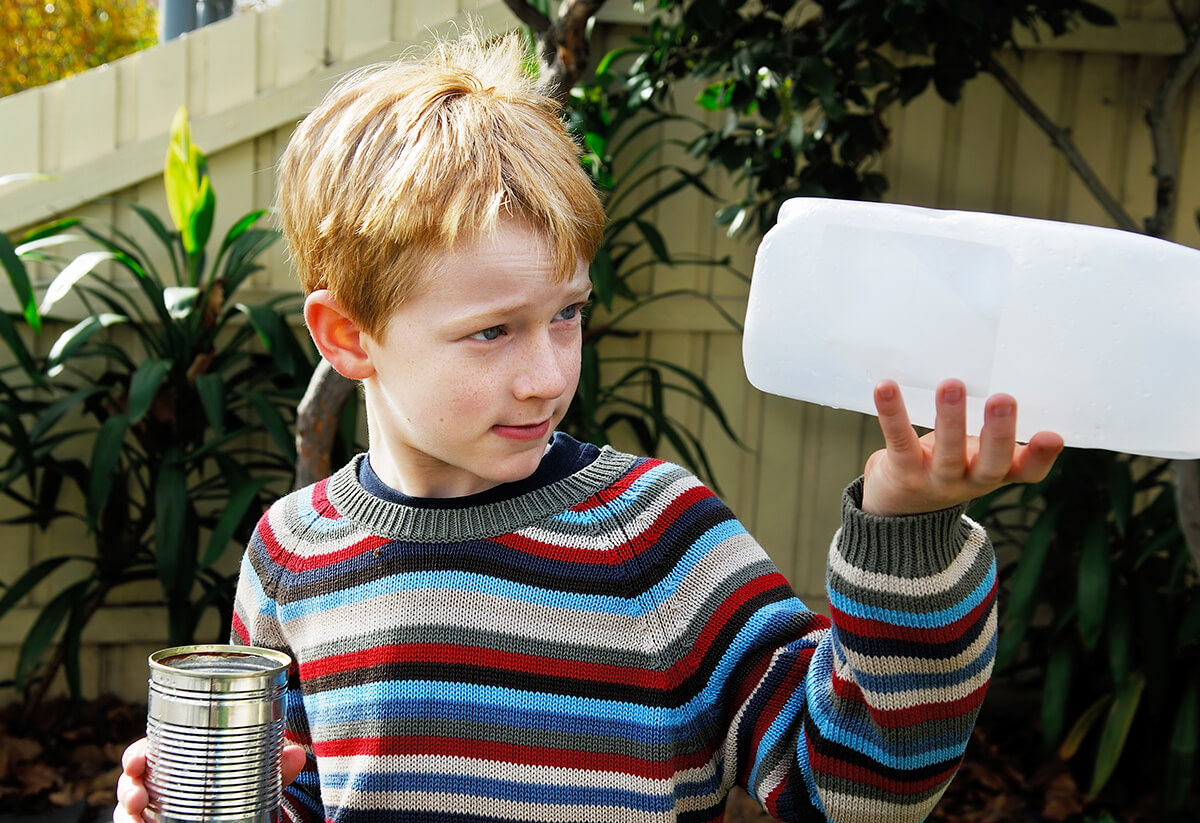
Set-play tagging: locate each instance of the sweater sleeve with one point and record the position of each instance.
(867, 721)
(256, 623)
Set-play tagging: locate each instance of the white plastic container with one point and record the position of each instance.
(1095, 332)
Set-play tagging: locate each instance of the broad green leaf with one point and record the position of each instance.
(201, 223)
(1119, 635)
(240, 500)
(170, 514)
(211, 389)
(602, 278)
(1181, 753)
(1056, 691)
(19, 279)
(143, 388)
(1083, 725)
(25, 583)
(70, 341)
(12, 338)
(106, 457)
(180, 178)
(272, 331)
(76, 270)
(42, 633)
(273, 421)
(1120, 493)
(655, 239)
(1116, 730)
(1092, 591)
(52, 414)
(1023, 586)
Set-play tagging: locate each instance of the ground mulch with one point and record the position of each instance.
(69, 754)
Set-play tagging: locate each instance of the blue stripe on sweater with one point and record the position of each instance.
(496, 789)
(482, 584)
(908, 681)
(924, 620)
(618, 504)
(929, 751)
(609, 716)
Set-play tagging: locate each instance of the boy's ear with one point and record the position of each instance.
(338, 338)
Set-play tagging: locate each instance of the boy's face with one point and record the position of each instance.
(475, 371)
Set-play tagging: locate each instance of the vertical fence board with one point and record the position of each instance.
(88, 116)
(231, 62)
(20, 147)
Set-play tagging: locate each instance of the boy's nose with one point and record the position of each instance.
(541, 371)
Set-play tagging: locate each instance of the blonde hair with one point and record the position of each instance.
(401, 161)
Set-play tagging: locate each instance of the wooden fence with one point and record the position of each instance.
(248, 80)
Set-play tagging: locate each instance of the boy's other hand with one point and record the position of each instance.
(131, 790)
(946, 467)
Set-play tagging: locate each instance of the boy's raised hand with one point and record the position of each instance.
(946, 467)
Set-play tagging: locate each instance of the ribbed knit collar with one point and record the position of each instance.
(401, 521)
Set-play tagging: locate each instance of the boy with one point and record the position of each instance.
(492, 621)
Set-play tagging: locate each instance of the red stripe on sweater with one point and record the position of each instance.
(781, 692)
(620, 552)
(546, 666)
(842, 770)
(618, 488)
(294, 562)
(920, 713)
(937, 634)
(239, 629)
(500, 752)
(321, 503)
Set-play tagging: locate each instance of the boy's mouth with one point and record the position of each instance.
(529, 431)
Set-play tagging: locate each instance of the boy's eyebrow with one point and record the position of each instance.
(583, 294)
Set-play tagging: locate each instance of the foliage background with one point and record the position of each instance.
(44, 42)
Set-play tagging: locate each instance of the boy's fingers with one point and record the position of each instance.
(898, 434)
(997, 440)
(133, 760)
(950, 429)
(291, 763)
(1033, 461)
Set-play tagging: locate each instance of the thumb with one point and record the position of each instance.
(291, 762)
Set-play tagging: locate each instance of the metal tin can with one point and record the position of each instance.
(214, 723)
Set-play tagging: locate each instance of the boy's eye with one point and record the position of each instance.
(568, 313)
(488, 334)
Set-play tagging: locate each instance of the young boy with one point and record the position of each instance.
(493, 621)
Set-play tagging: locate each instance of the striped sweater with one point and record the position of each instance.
(613, 646)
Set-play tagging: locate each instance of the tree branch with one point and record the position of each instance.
(1061, 138)
(317, 419)
(528, 15)
(1162, 132)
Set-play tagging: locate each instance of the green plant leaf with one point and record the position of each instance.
(144, 386)
(211, 389)
(170, 514)
(1083, 725)
(106, 457)
(45, 627)
(1181, 753)
(1024, 584)
(1116, 730)
(69, 342)
(1056, 691)
(1092, 591)
(19, 279)
(240, 500)
(25, 583)
(74, 271)
(1119, 634)
(272, 332)
(1120, 493)
(273, 421)
(12, 338)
